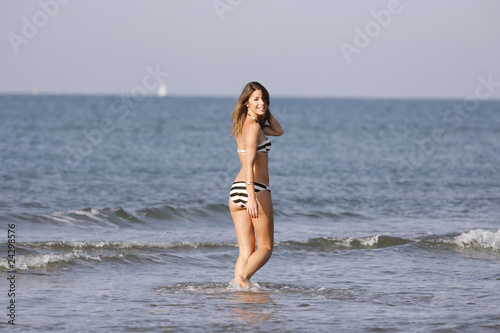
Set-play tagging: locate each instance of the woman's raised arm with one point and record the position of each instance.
(274, 128)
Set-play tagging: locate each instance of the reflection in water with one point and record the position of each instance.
(251, 306)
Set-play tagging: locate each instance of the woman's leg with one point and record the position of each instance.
(264, 231)
(250, 260)
(245, 235)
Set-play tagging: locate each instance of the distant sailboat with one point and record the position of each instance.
(162, 89)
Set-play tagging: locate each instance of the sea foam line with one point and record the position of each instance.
(119, 245)
(68, 251)
(24, 262)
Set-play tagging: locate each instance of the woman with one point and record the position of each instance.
(250, 200)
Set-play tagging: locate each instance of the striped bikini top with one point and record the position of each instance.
(264, 147)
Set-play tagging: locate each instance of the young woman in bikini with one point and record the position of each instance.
(250, 200)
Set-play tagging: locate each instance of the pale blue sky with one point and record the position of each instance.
(429, 49)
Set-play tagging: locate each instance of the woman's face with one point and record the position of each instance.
(256, 104)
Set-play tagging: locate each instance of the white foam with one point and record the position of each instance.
(369, 241)
(61, 217)
(92, 214)
(366, 241)
(478, 238)
(120, 244)
(253, 286)
(212, 288)
(24, 262)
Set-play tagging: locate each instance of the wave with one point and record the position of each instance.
(328, 243)
(118, 217)
(476, 239)
(120, 245)
(42, 254)
(25, 262)
(45, 253)
(188, 213)
(110, 217)
(319, 214)
(121, 217)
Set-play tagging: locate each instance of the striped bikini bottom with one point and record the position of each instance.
(239, 195)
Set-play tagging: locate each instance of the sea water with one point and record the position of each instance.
(387, 216)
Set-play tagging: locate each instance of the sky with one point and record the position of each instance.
(296, 48)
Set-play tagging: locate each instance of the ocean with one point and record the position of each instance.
(115, 218)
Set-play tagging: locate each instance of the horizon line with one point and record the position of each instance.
(444, 98)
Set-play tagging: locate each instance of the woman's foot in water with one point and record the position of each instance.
(243, 283)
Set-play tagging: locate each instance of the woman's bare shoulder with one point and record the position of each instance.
(251, 128)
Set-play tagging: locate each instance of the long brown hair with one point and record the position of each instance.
(240, 110)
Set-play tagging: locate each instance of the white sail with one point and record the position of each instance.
(162, 89)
